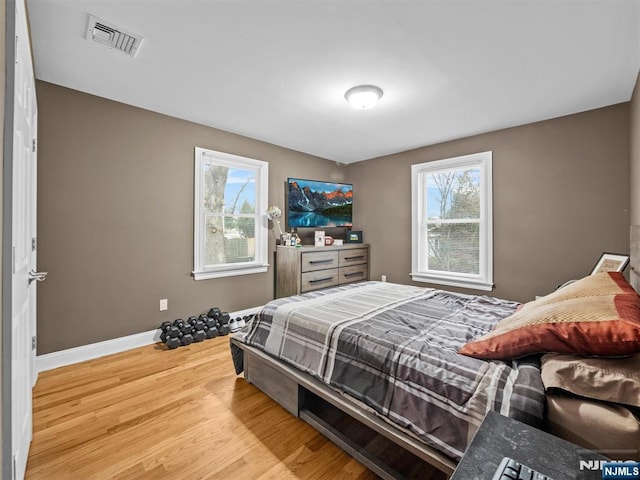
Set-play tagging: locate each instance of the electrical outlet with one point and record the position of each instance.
(383, 278)
(164, 304)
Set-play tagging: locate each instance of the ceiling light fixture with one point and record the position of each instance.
(363, 96)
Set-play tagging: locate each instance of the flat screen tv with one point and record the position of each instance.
(312, 203)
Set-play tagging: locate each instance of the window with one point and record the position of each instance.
(230, 228)
(452, 222)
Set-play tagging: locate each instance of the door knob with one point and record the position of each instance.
(37, 276)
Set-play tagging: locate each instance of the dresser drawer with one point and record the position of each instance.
(319, 279)
(354, 257)
(306, 268)
(312, 261)
(355, 273)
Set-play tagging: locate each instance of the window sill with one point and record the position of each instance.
(231, 272)
(474, 284)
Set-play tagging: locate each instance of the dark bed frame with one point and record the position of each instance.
(341, 420)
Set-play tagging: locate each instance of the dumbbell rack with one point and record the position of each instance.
(196, 329)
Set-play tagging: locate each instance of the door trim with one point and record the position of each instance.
(7, 237)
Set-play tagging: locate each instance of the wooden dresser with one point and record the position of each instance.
(302, 269)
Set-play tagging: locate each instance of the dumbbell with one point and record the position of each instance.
(214, 313)
(210, 326)
(184, 327)
(186, 339)
(197, 327)
(210, 332)
(223, 324)
(178, 322)
(164, 330)
(199, 335)
(208, 321)
(168, 331)
(173, 342)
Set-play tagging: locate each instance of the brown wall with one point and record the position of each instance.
(635, 154)
(115, 217)
(560, 199)
(115, 206)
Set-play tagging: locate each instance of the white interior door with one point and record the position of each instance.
(23, 245)
(32, 179)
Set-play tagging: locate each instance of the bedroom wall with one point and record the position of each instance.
(635, 153)
(634, 181)
(560, 199)
(115, 217)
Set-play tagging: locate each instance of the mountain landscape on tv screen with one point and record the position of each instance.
(319, 204)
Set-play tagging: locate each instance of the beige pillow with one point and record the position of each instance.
(607, 379)
(605, 283)
(594, 425)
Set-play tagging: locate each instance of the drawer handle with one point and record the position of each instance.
(354, 258)
(354, 274)
(328, 260)
(327, 279)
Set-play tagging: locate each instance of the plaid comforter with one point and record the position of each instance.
(394, 348)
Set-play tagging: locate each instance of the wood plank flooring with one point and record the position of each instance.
(152, 413)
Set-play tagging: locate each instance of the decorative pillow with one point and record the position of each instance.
(603, 325)
(607, 379)
(605, 283)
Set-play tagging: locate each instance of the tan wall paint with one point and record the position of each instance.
(115, 217)
(635, 153)
(116, 213)
(560, 198)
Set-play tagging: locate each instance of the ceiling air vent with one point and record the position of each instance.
(113, 36)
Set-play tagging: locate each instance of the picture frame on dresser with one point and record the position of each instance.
(354, 236)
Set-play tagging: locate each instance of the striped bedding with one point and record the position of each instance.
(393, 348)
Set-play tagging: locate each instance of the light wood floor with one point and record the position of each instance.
(171, 414)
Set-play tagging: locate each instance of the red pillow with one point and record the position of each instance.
(601, 325)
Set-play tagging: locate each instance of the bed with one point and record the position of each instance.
(387, 356)
(421, 367)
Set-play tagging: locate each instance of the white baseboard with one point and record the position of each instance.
(49, 361)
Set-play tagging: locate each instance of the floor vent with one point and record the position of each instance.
(113, 37)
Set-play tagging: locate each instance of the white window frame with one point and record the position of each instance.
(419, 271)
(260, 264)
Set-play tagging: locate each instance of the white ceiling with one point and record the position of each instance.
(277, 70)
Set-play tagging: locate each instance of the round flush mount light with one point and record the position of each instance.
(363, 96)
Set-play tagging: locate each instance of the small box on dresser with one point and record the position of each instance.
(302, 269)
